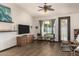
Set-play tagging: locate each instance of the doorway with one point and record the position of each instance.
(64, 28)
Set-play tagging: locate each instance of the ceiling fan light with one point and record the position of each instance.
(44, 13)
(47, 12)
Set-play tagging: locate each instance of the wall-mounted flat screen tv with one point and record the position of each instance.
(23, 29)
(5, 14)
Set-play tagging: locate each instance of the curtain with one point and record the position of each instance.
(53, 21)
(40, 22)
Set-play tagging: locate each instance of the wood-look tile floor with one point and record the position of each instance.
(37, 48)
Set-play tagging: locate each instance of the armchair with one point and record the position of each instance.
(39, 37)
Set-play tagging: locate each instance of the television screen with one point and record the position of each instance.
(23, 29)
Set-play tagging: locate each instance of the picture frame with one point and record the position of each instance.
(5, 14)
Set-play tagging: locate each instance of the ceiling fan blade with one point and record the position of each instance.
(40, 7)
(50, 9)
(49, 6)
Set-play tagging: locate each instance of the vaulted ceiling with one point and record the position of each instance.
(60, 8)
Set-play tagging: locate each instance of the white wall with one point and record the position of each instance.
(34, 30)
(74, 23)
(19, 16)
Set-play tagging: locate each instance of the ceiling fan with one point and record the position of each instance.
(46, 7)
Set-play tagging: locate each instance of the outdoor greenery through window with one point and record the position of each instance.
(48, 27)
